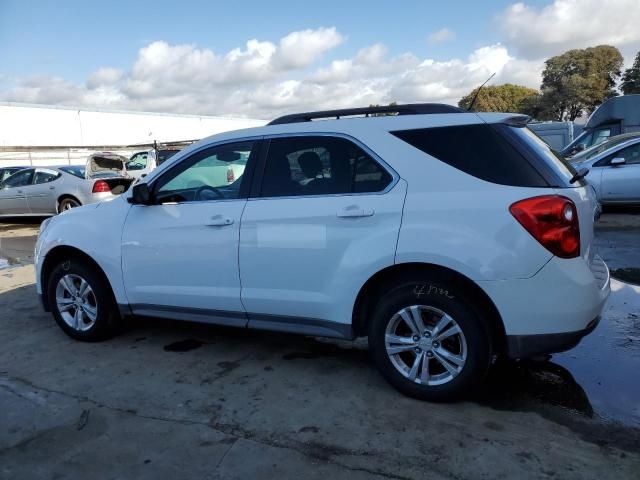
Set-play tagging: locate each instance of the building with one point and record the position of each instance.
(42, 134)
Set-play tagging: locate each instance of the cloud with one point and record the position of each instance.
(565, 24)
(264, 79)
(301, 49)
(441, 36)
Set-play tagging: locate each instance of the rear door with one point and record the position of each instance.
(621, 183)
(325, 216)
(41, 194)
(13, 200)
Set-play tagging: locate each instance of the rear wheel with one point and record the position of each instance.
(428, 341)
(67, 203)
(82, 302)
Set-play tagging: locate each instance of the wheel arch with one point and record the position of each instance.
(62, 197)
(57, 254)
(372, 288)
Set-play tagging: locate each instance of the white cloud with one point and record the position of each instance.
(441, 36)
(265, 79)
(565, 24)
(301, 49)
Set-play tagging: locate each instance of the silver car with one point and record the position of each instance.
(51, 190)
(614, 169)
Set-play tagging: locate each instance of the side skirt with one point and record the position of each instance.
(257, 321)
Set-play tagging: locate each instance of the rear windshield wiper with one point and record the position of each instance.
(580, 174)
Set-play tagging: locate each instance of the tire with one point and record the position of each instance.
(98, 317)
(456, 363)
(67, 203)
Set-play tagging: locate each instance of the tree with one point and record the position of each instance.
(498, 98)
(631, 78)
(392, 104)
(578, 81)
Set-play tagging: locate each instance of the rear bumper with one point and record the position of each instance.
(524, 346)
(551, 311)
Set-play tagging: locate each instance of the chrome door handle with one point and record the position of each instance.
(219, 221)
(354, 211)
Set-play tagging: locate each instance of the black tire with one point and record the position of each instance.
(107, 321)
(437, 296)
(68, 203)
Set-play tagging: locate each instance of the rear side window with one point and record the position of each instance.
(320, 165)
(477, 150)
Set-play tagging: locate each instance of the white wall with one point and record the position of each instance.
(35, 125)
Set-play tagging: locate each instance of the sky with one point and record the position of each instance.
(262, 59)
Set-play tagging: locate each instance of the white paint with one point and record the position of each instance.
(42, 125)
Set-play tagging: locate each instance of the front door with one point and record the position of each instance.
(621, 183)
(180, 254)
(13, 200)
(327, 217)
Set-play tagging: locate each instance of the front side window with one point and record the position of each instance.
(601, 135)
(216, 173)
(19, 179)
(320, 165)
(46, 176)
(630, 154)
(138, 161)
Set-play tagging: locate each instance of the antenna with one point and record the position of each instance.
(475, 97)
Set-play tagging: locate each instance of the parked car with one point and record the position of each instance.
(614, 169)
(6, 172)
(444, 253)
(615, 116)
(140, 164)
(42, 191)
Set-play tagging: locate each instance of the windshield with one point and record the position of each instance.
(554, 159)
(74, 170)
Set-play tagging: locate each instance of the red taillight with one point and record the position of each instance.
(230, 175)
(101, 186)
(553, 221)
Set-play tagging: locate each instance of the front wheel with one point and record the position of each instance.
(428, 341)
(82, 302)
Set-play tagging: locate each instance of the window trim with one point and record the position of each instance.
(262, 162)
(57, 173)
(243, 193)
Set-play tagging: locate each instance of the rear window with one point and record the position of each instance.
(477, 150)
(74, 170)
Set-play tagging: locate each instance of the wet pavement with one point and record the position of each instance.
(598, 379)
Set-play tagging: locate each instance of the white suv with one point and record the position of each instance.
(445, 237)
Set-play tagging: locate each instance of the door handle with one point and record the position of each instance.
(52, 188)
(219, 221)
(354, 211)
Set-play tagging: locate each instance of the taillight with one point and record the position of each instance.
(553, 221)
(101, 186)
(230, 175)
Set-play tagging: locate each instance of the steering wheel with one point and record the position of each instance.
(208, 188)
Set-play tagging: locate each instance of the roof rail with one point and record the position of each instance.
(406, 109)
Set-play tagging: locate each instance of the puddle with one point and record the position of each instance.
(183, 345)
(16, 251)
(599, 378)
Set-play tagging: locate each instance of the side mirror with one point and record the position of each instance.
(140, 194)
(618, 161)
(580, 147)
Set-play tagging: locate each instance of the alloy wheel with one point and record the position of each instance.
(426, 345)
(76, 302)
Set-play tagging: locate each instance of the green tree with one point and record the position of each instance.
(498, 98)
(392, 104)
(578, 81)
(631, 78)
